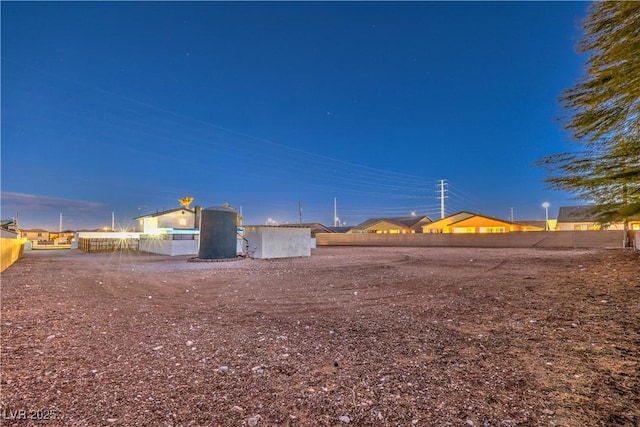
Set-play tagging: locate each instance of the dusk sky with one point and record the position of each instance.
(126, 107)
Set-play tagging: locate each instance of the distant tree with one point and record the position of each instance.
(186, 201)
(603, 116)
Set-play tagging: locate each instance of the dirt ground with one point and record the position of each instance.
(348, 336)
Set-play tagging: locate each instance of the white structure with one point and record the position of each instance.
(8, 234)
(172, 219)
(277, 242)
(171, 232)
(106, 235)
(169, 247)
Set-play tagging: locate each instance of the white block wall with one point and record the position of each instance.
(169, 247)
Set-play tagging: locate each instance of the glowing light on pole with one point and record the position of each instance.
(546, 205)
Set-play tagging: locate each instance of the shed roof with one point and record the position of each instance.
(315, 227)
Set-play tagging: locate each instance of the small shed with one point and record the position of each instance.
(266, 242)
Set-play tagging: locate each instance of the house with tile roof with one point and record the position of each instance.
(35, 234)
(469, 222)
(584, 218)
(396, 225)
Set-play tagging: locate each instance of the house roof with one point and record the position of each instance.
(315, 227)
(168, 211)
(403, 222)
(447, 220)
(533, 223)
(464, 215)
(339, 229)
(577, 214)
(584, 213)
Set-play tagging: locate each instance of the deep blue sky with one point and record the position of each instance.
(126, 107)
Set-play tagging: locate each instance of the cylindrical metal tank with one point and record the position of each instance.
(218, 230)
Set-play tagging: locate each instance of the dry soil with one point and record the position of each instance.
(348, 336)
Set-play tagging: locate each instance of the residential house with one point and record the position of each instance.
(584, 218)
(8, 229)
(9, 225)
(169, 220)
(35, 235)
(468, 222)
(396, 225)
(63, 237)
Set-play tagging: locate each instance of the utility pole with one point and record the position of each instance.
(335, 212)
(511, 217)
(60, 225)
(442, 197)
(113, 221)
(300, 211)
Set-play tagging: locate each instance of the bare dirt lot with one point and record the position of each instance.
(348, 336)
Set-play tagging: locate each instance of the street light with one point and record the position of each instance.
(546, 205)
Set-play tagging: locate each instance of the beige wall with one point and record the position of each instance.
(541, 239)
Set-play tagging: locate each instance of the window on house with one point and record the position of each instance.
(464, 229)
(182, 221)
(492, 229)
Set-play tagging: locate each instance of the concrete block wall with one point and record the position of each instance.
(541, 239)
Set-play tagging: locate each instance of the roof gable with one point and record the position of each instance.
(502, 221)
(168, 211)
(584, 213)
(401, 222)
(451, 219)
(488, 221)
(460, 217)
